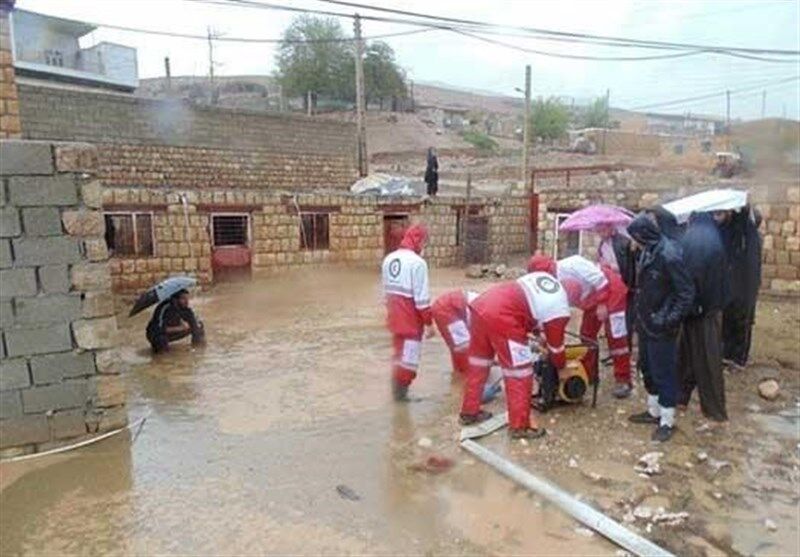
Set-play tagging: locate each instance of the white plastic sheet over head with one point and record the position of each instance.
(712, 200)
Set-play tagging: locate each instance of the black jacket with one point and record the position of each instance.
(626, 259)
(704, 254)
(664, 289)
(743, 247)
(169, 314)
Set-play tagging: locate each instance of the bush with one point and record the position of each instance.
(480, 140)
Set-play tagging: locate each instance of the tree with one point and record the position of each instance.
(383, 78)
(324, 66)
(596, 114)
(549, 118)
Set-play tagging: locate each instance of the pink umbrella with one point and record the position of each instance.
(596, 216)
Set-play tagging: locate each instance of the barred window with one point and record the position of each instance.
(230, 230)
(314, 231)
(129, 234)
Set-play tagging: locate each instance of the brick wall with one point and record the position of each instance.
(58, 375)
(170, 143)
(9, 104)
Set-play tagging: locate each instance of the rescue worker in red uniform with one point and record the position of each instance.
(451, 315)
(601, 294)
(408, 304)
(501, 320)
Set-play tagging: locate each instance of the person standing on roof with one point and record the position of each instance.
(664, 296)
(700, 347)
(501, 320)
(408, 305)
(602, 296)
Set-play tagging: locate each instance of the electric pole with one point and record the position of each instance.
(361, 131)
(763, 104)
(168, 73)
(728, 108)
(608, 108)
(526, 132)
(211, 66)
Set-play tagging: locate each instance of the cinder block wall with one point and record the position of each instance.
(59, 378)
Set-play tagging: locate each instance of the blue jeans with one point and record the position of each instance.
(658, 362)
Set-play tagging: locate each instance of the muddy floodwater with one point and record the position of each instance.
(248, 439)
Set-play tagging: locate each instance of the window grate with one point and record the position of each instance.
(230, 230)
(314, 231)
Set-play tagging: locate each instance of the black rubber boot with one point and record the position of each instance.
(663, 433)
(643, 418)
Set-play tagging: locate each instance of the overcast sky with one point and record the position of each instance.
(441, 56)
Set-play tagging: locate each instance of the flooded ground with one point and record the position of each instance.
(280, 437)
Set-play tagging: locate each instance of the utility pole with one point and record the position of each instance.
(763, 104)
(608, 108)
(526, 132)
(360, 108)
(168, 73)
(728, 108)
(411, 87)
(309, 112)
(211, 66)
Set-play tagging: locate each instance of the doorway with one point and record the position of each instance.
(394, 227)
(230, 246)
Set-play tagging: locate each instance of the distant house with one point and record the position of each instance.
(49, 48)
(683, 124)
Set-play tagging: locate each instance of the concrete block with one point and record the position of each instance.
(92, 194)
(42, 221)
(57, 190)
(52, 368)
(84, 223)
(110, 391)
(9, 222)
(96, 249)
(108, 362)
(5, 254)
(68, 423)
(24, 431)
(25, 157)
(17, 282)
(91, 276)
(6, 314)
(46, 250)
(91, 334)
(113, 418)
(70, 394)
(56, 308)
(75, 157)
(54, 279)
(10, 404)
(14, 374)
(98, 304)
(43, 340)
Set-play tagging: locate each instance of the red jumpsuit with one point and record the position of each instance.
(451, 315)
(408, 305)
(592, 286)
(501, 319)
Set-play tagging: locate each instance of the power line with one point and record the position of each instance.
(639, 42)
(712, 95)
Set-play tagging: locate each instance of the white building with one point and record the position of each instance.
(48, 47)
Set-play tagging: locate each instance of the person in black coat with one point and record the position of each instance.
(664, 295)
(700, 346)
(173, 320)
(432, 172)
(743, 245)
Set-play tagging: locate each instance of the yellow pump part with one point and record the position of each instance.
(574, 368)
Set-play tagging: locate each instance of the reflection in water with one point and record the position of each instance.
(248, 438)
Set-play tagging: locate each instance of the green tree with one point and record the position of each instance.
(549, 118)
(596, 114)
(324, 66)
(383, 78)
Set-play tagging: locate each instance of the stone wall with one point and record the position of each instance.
(356, 229)
(170, 143)
(58, 375)
(9, 103)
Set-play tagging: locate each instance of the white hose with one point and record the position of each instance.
(84, 443)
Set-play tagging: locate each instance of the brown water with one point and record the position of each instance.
(248, 439)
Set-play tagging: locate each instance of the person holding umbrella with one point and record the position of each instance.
(173, 319)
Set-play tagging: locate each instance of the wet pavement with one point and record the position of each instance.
(248, 439)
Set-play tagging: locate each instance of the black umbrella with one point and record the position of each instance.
(162, 291)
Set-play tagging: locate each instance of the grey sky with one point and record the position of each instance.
(440, 56)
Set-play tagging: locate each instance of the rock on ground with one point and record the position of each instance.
(769, 389)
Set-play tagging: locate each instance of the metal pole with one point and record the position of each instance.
(526, 134)
(728, 109)
(168, 73)
(211, 66)
(360, 104)
(308, 103)
(608, 108)
(578, 510)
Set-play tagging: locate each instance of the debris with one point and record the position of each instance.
(629, 518)
(717, 495)
(649, 464)
(702, 456)
(347, 493)
(642, 512)
(717, 465)
(754, 408)
(688, 465)
(702, 428)
(669, 519)
(474, 271)
(500, 270)
(433, 465)
(621, 553)
(769, 389)
(584, 531)
(770, 525)
(594, 476)
(573, 463)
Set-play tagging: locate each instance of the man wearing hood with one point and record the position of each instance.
(700, 351)
(408, 305)
(664, 297)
